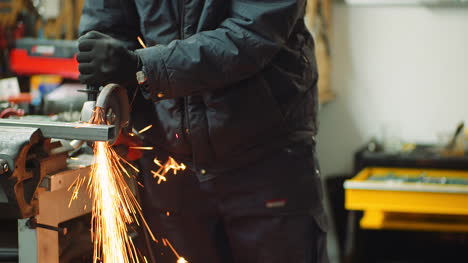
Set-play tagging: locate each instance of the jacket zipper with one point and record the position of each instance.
(182, 36)
(182, 19)
(188, 129)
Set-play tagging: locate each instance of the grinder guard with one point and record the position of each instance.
(114, 100)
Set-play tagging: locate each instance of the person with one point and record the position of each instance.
(230, 88)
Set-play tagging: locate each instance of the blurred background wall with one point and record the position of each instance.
(397, 72)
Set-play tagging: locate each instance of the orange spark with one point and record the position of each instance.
(145, 129)
(77, 165)
(76, 185)
(149, 148)
(129, 164)
(160, 177)
(179, 258)
(141, 42)
(170, 164)
(114, 205)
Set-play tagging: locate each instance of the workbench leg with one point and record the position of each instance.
(48, 245)
(27, 243)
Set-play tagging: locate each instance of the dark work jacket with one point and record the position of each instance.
(229, 81)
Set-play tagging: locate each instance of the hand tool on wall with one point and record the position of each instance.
(458, 131)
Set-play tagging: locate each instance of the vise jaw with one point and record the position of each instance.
(29, 158)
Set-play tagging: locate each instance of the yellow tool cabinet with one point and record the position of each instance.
(410, 199)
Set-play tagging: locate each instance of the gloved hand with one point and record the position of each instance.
(123, 146)
(103, 59)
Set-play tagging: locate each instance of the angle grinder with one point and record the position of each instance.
(113, 99)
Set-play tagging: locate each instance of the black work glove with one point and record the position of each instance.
(103, 59)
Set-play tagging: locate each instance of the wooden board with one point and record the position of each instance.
(318, 21)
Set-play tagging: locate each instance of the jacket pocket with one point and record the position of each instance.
(242, 116)
(286, 183)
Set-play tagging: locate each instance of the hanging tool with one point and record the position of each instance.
(453, 141)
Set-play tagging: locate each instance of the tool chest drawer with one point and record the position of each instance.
(412, 199)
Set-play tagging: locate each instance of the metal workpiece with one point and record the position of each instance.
(66, 130)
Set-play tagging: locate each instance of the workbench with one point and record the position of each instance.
(37, 181)
(414, 202)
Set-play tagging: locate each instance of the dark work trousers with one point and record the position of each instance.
(269, 212)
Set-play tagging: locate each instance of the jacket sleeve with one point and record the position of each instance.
(241, 46)
(117, 18)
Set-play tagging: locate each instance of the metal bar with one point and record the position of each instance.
(32, 223)
(27, 242)
(66, 130)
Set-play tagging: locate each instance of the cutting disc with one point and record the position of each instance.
(114, 100)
